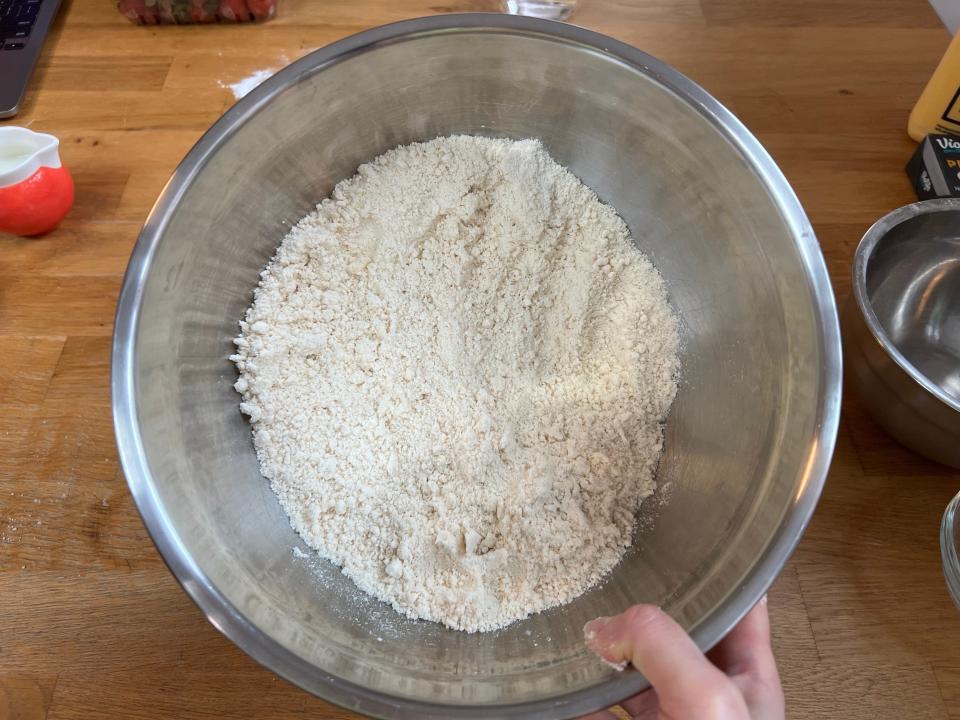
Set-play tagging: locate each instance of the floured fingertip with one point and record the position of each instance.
(618, 666)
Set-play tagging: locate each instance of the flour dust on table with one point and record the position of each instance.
(457, 370)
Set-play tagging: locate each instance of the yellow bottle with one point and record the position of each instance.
(938, 109)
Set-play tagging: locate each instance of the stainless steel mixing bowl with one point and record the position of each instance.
(748, 441)
(902, 326)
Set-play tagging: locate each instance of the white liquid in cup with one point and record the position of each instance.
(23, 152)
(14, 154)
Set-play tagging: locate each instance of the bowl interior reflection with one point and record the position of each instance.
(913, 284)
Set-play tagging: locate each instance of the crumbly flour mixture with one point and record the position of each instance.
(456, 370)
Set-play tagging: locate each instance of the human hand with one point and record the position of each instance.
(737, 680)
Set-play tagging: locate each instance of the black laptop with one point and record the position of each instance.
(23, 28)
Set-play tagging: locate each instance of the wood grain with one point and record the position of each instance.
(93, 625)
(852, 13)
(949, 680)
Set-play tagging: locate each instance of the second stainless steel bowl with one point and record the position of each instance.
(902, 326)
(950, 548)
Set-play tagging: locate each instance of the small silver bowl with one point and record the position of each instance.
(950, 548)
(902, 327)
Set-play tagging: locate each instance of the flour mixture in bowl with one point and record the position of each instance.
(457, 369)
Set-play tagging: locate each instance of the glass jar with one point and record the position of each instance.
(950, 548)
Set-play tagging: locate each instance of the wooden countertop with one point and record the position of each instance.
(92, 625)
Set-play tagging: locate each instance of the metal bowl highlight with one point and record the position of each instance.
(902, 326)
(748, 441)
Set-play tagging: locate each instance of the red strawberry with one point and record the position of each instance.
(262, 9)
(234, 10)
(136, 10)
(198, 12)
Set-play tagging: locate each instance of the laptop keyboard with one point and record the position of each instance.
(16, 20)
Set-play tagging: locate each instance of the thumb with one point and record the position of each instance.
(687, 684)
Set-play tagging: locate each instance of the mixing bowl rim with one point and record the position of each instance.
(269, 652)
(861, 261)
